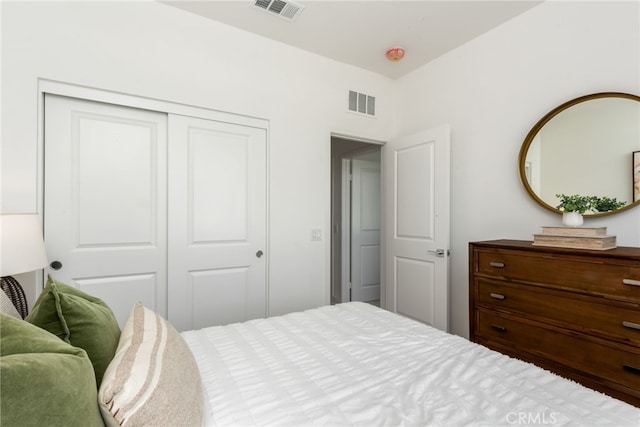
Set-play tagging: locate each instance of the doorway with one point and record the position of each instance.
(355, 220)
(415, 243)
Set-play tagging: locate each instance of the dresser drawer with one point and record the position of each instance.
(581, 313)
(618, 364)
(596, 275)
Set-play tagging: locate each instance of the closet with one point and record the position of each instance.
(159, 207)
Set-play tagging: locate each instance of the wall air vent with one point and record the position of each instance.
(283, 8)
(361, 103)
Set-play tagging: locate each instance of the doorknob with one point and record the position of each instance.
(440, 252)
(259, 254)
(56, 265)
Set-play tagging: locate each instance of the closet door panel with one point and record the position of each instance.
(137, 287)
(105, 200)
(217, 223)
(218, 213)
(208, 287)
(164, 209)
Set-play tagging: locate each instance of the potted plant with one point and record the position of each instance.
(573, 207)
(606, 204)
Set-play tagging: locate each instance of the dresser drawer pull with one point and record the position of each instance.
(631, 369)
(496, 296)
(631, 325)
(631, 282)
(498, 328)
(498, 264)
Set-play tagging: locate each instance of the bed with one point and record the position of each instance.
(350, 364)
(356, 364)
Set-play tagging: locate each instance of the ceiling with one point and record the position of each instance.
(360, 32)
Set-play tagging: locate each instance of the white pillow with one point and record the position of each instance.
(7, 307)
(153, 378)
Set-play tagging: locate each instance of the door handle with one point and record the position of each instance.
(259, 254)
(55, 265)
(440, 252)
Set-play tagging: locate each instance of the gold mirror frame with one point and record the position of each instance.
(540, 124)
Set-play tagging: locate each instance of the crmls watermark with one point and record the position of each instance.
(531, 418)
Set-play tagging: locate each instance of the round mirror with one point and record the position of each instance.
(588, 146)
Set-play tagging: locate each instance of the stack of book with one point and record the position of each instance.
(594, 238)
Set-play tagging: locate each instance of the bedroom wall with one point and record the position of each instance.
(154, 50)
(492, 91)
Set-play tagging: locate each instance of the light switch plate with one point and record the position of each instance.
(316, 234)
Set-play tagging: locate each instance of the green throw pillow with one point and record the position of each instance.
(45, 381)
(80, 319)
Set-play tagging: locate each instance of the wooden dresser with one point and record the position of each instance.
(574, 312)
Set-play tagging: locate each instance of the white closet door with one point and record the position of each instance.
(105, 201)
(217, 222)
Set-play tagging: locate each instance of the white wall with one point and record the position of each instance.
(154, 50)
(492, 91)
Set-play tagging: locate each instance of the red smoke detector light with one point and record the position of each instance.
(395, 54)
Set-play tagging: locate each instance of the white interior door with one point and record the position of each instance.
(105, 201)
(217, 226)
(417, 226)
(365, 230)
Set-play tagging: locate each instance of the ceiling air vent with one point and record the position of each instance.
(361, 103)
(285, 9)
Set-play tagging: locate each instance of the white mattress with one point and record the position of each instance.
(357, 365)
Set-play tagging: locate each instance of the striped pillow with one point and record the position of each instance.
(7, 307)
(153, 378)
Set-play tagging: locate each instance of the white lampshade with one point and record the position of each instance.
(22, 247)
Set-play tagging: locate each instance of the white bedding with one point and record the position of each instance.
(355, 364)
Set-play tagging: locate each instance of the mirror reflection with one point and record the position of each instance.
(585, 146)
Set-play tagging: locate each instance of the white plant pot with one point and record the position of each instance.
(572, 219)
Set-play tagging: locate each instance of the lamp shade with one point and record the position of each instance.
(22, 246)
